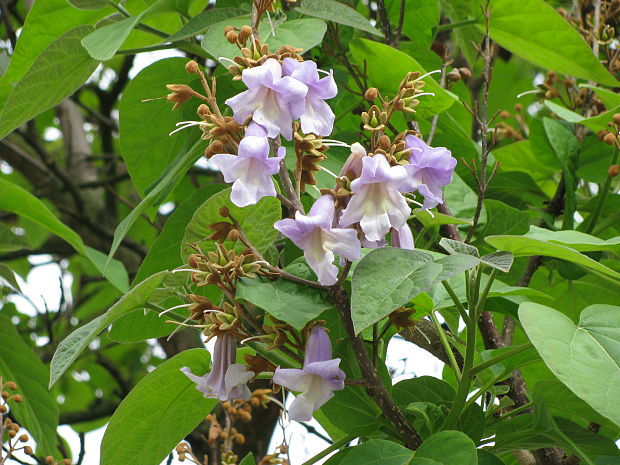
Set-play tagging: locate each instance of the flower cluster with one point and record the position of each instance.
(369, 206)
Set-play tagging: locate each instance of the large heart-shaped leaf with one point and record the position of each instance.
(585, 357)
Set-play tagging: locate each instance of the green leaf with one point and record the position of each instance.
(501, 261)
(386, 67)
(89, 4)
(158, 413)
(164, 253)
(55, 18)
(56, 74)
(575, 239)
(248, 460)
(103, 43)
(171, 176)
(69, 349)
(566, 148)
(438, 219)
(387, 278)
(503, 219)
(8, 275)
(379, 452)
(255, 220)
(448, 448)
(527, 246)
(290, 302)
(457, 247)
(519, 156)
(459, 12)
(201, 22)
(420, 27)
(145, 145)
(337, 12)
(585, 357)
(17, 200)
(609, 98)
(39, 411)
(538, 33)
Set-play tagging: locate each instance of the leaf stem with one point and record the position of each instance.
(483, 297)
(447, 27)
(503, 356)
(459, 306)
(604, 194)
(446, 347)
(329, 450)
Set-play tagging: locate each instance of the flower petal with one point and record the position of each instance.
(293, 379)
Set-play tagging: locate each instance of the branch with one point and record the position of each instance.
(386, 26)
(376, 390)
(97, 410)
(425, 335)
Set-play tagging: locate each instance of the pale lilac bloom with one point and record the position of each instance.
(250, 171)
(429, 168)
(316, 381)
(377, 203)
(271, 100)
(317, 117)
(353, 164)
(402, 238)
(255, 129)
(227, 380)
(314, 234)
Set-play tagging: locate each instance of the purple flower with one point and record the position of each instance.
(250, 171)
(402, 238)
(271, 100)
(429, 168)
(377, 203)
(319, 240)
(226, 381)
(353, 164)
(317, 117)
(318, 379)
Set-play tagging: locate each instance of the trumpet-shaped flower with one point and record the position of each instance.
(377, 203)
(429, 168)
(250, 171)
(319, 240)
(271, 100)
(227, 380)
(353, 165)
(403, 238)
(316, 381)
(317, 117)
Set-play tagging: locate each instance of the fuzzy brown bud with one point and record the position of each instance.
(5, 395)
(601, 135)
(384, 142)
(3, 409)
(11, 385)
(245, 33)
(66, 461)
(28, 451)
(371, 93)
(224, 212)
(191, 67)
(17, 398)
(23, 438)
(453, 75)
(227, 29)
(613, 171)
(232, 37)
(49, 459)
(610, 138)
(519, 107)
(616, 118)
(12, 434)
(465, 73)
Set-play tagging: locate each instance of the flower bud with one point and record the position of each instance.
(3, 409)
(465, 73)
(245, 33)
(49, 459)
(12, 434)
(28, 451)
(23, 438)
(227, 29)
(17, 398)
(371, 93)
(601, 135)
(224, 212)
(384, 142)
(191, 67)
(453, 75)
(610, 138)
(66, 462)
(11, 385)
(5, 395)
(519, 107)
(613, 171)
(231, 37)
(616, 118)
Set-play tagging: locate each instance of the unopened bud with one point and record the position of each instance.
(224, 212)
(610, 138)
(49, 459)
(17, 398)
(233, 235)
(227, 29)
(453, 75)
(371, 93)
(613, 171)
(12, 434)
(465, 73)
(552, 93)
(384, 142)
(601, 135)
(5, 395)
(24, 438)
(191, 67)
(28, 450)
(504, 114)
(66, 462)
(3, 409)
(245, 33)
(182, 457)
(11, 385)
(231, 37)
(616, 118)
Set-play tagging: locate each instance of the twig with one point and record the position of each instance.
(376, 390)
(386, 26)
